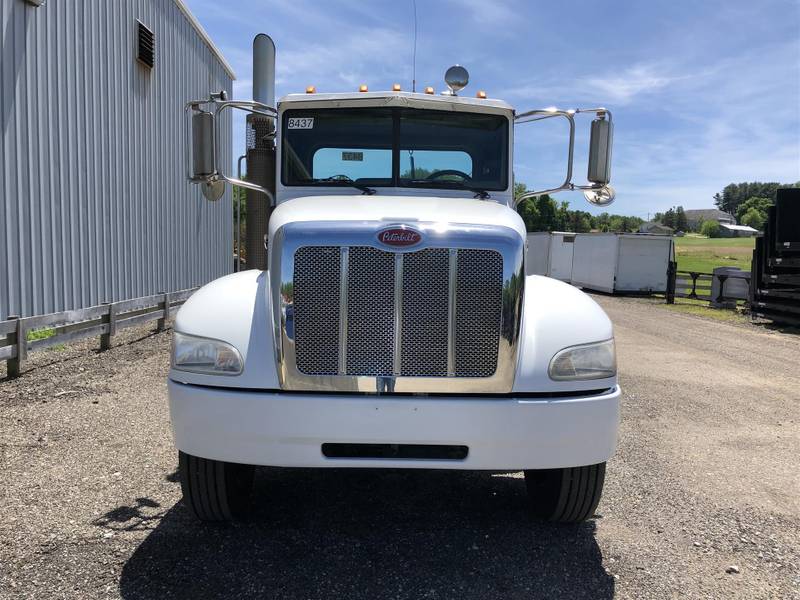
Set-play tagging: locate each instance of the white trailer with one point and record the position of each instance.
(550, 254)
(622, 263)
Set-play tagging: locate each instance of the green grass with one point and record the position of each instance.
(702, 309)
(702, 254)
(41, 334)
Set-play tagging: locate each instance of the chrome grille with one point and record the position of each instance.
(370, 312)
(431, 313)
(425, 309)
(479, 288)
(316, 309)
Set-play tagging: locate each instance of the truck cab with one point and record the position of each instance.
(392, 325)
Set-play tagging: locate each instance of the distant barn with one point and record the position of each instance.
(694, 217)
(728, 230)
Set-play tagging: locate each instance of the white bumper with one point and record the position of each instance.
(288, 430)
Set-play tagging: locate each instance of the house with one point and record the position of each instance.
(655, 228)
(695, 216)
(729, 230)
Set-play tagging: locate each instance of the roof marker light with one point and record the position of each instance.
(311, 89)
(396, 87)
(481, 94)
(429, 90)
(363, 88)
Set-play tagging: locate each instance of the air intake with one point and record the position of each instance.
(146, 53)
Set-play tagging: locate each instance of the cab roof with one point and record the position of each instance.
(395, 99)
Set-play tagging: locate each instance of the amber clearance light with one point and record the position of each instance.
(396, 87)
(481, 94)
(363, 88)
(311, 89)
(429, 90)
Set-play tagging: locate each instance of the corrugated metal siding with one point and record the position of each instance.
(95, 206)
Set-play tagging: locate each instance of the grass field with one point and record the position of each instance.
(697, 253)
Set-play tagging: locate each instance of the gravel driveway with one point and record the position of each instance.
(705, 478)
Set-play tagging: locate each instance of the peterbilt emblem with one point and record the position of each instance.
(399, 236)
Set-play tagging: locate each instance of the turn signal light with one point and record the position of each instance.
(396, 87)
(363, 88)
(311, 89)
(481, 94)
(429, 90)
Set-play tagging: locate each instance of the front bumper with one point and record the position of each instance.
(288, 430)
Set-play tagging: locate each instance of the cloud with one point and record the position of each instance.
(492, 12)
(631, 84)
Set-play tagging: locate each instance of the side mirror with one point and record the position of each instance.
(598, 192)
(203, 169)
(202, 144)
(202, 140)
(600, 140)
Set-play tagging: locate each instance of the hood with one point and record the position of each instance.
(395, 209)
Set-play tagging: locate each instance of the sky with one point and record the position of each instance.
(703, 93)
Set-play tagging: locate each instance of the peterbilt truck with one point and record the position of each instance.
(391, 324)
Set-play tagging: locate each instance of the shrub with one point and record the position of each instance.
(710, 229)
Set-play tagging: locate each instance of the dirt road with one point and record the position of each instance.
(705, 478)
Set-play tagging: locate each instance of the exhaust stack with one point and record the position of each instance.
(261, 153)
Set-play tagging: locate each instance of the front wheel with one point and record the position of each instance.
(568, 495)
(215, 490)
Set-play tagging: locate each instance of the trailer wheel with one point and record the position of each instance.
(567, 495)
(215, 490)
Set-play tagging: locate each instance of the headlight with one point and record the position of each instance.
(204, 355)
(589, 361)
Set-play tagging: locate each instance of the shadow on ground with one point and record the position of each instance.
(366, 534)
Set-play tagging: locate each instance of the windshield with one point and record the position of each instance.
(395, 147)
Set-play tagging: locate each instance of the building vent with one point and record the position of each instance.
(147, 46)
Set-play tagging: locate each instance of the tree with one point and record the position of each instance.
(761, 205)
(734, 194)
(699, 225)
(680, 219)
(669, 218)
(754, 218)
(543, 213)
(710, 229)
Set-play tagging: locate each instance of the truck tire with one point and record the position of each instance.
(215, 490)
(567, 495)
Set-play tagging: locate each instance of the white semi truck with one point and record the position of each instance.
(392, 325)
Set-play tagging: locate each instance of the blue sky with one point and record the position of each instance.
(703, 93)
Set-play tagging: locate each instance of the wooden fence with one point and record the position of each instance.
(103, 321)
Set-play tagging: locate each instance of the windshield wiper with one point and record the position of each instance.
(451, 185)
(365, 190)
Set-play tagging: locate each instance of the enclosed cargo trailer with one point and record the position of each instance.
(550, 254)
(622, 263)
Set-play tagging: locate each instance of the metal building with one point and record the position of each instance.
(95, 206)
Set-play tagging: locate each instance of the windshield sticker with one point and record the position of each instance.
(301, 123)
(357, 156)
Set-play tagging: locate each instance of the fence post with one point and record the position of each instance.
(161, 324)
(111, 320)
(672, 273)
(19, 339)
(694, 285)
(721, 295)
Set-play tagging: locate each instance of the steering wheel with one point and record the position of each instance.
(338, 178)
(445, 172)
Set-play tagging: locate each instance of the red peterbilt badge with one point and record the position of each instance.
(399, 236)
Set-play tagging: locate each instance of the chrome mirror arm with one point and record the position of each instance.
(218, 177)
(548, 113)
